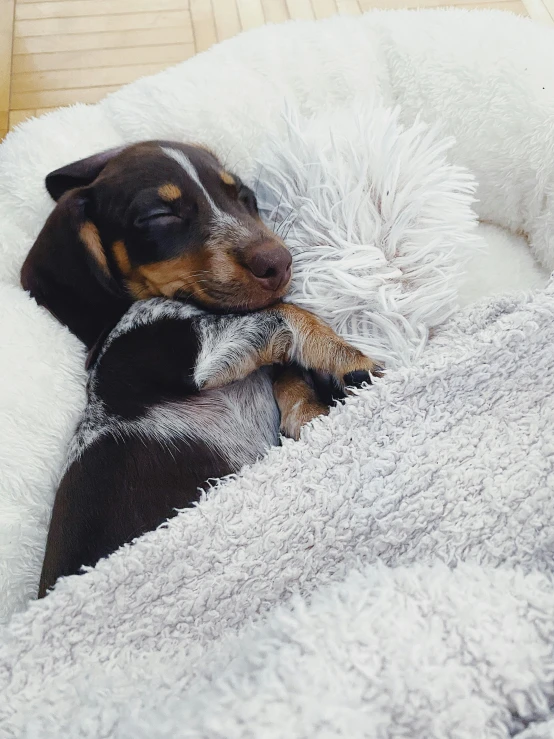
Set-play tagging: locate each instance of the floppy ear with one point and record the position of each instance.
(67, 271)
(78, 174)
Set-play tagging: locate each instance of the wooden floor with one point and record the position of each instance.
(57, 52)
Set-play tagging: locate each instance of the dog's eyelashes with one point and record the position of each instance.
(158, 218)
(159, 214)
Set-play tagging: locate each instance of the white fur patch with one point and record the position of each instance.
(238, 422)
(225, 341)
(220, 218)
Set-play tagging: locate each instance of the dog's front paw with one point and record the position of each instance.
(293, 422)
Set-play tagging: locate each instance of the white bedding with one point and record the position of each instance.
(448, 462)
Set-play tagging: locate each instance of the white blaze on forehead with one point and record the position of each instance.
(221, 219)
(191, 170)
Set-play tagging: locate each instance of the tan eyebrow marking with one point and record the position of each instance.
(169, 192)
(88, 234)
(227, 178)
(121, 257)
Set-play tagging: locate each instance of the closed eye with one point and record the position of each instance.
(156, 216)
(248, 199)
(159, 214)
(164, 214)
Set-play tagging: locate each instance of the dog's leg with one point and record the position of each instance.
(233, 347)
(297, 401)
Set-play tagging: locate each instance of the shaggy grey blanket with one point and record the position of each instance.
(398, 585)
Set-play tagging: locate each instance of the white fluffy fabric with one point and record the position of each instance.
(415, 528)
(444, 470)
(379, 224)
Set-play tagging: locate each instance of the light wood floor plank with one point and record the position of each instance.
(203, 23)
(300, 9)
(67, 79)
(538, 9)
(275, 11)
(227, 21)
(349, 7)
(6, 40)
(96, 58)
(137, 38)
(101, 23)
(56, 98)
(324, 8)
(251, 14)
(79, 8)
(18, 116)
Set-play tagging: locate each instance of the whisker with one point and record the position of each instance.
(276, 212)
(257, 182)
(288, 221)
(291, 224)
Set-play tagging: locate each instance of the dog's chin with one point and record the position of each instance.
(255, 300)
(247, 301)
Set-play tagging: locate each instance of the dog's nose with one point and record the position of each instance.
(270, 264)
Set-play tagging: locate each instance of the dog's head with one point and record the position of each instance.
(152, 219)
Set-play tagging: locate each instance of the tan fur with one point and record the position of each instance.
(169, 192)
(88, 233)
(297, 403)
(166, 278)
(227, 178)
(203, 275)
(121, 257)
(319, 346)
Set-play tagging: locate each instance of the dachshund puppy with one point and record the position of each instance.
(156, 219)
(156, 258)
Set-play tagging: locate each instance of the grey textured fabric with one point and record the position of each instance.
(390, 575)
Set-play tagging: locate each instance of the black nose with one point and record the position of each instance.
(270, 264)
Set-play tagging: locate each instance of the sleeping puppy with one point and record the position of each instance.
(156, 219)
(178, 394)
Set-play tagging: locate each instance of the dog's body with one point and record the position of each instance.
(177, 396)
(148, 439)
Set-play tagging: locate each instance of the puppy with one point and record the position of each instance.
(178, 394)
(157, 219)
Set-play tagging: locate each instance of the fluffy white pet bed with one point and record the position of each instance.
(448, 462)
